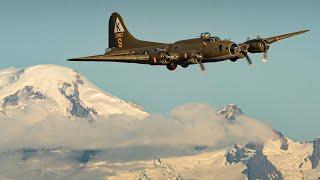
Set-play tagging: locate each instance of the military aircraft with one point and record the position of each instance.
(123, 47)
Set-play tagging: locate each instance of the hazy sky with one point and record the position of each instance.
(284, 92)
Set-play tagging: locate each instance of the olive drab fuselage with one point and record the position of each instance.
(211, 50)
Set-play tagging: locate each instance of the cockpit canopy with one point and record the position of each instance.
(206, 36)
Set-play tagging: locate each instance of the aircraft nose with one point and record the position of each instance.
(234, 48)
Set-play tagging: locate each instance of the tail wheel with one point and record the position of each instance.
(172, 66)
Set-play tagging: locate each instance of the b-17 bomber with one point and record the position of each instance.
(124, 47)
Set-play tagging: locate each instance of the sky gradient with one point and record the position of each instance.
(283, 92)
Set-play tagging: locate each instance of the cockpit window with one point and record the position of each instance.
(206, 36)
(216, 38)
(209, 40)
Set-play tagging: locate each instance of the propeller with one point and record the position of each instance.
(197, 56)
(201, 66)
(244, 51)
(248, 58)
(266, 47)
(265, 53)
(265, 56)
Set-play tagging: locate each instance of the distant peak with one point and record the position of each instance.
(230, 112)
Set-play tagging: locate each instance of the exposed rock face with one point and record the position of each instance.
(254, 146)
(284, 141)
(77, 109)
(258, 166)
(315, 157)
(85, 156)
(200, 147)
(26, 153)
(11, 100)
(230, 112)
(239, 154)
(143, 175)
(26, 93)
(168, 170)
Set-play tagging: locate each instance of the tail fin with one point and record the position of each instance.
(120, 37)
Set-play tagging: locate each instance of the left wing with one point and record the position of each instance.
(140, 59)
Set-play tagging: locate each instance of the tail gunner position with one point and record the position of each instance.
(123, 47)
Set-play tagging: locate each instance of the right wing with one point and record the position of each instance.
(140, 59)
(284, 36)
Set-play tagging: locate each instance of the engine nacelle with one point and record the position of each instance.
(257, 46)
(164, 57)
(193, 56)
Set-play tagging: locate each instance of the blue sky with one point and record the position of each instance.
(283, 92)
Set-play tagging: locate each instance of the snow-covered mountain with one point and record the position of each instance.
(66, 93)
(62, 90)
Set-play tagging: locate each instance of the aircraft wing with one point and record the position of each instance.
(140, 59)
(284, 36)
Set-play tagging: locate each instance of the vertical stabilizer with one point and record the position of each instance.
(120, 37)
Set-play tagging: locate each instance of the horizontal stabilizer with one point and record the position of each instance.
(123, 58)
